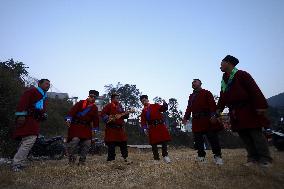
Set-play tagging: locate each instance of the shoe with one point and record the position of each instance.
(72, 160)
(82, 163)
(218, 160)
(127, 161)
(265, 164)
(110, 159)
(201, 159)
(156, 157)
(17, 168)
(167, 159)
(250, 163)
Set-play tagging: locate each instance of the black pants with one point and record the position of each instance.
(111, 149)
(213, 140)
(156, 152)
(255, 144)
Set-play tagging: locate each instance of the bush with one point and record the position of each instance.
(11, 87)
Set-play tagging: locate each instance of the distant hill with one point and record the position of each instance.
(276, 101)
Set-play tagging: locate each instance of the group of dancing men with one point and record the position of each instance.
(239, 92)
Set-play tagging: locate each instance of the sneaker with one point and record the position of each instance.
(265, 164)
(201, 159)
(81, 163)
(167, 159)
(157, 159)
(110, 159)
(250, 163)
(127, 161)
(17, 168)
(218, 160)
(72, 161)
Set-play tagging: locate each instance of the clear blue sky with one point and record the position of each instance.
(159, 45)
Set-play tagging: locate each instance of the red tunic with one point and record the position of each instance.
(243, 98)
(114, 131)
(202, 106)
(157, 133)
(25, 105)
(82, 130)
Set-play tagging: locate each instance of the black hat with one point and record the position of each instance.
(231, 59)
(114, 95)
(197, 80)
(143, 96)
(94, 92)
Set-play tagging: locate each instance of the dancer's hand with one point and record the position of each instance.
(146, 132)
(68, 122)
(213, 120)
(21, 120)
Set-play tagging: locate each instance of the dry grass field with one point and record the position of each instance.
(144, 172)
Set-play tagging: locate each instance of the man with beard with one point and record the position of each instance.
(202, 106)
(29, 113)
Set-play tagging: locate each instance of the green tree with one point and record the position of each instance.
(175, 115)
(128, 94)
(57, 109)
(158, 100)
(12, 84)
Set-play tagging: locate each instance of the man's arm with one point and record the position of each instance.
(105, 113)
(187, 112)
(163, 107)
(72, 112)
(144, 124)
(96, 119)
(259, 101)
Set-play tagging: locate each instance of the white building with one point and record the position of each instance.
(55, 95)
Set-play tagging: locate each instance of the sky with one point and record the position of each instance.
(158, 45)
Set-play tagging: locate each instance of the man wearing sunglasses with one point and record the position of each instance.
(31, 110)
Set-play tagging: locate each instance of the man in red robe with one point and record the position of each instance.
(30, 111)
(153, 124)
(80, 120)
(115, 135)
(247, 106)
(202, 106)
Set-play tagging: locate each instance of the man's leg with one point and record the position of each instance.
(23, 151)
(215, 145)
(85, 147)
(261, 145)
(199, 143)
(155, 152)
(164, 149)
(214, 142)
(111, 151)
(252, 155)
(123, 149)
(73, 149)
(165, 152)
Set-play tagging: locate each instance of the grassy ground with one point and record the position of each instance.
(144, 172)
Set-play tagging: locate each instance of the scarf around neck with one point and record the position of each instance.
(225, 86)
(39, 104)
